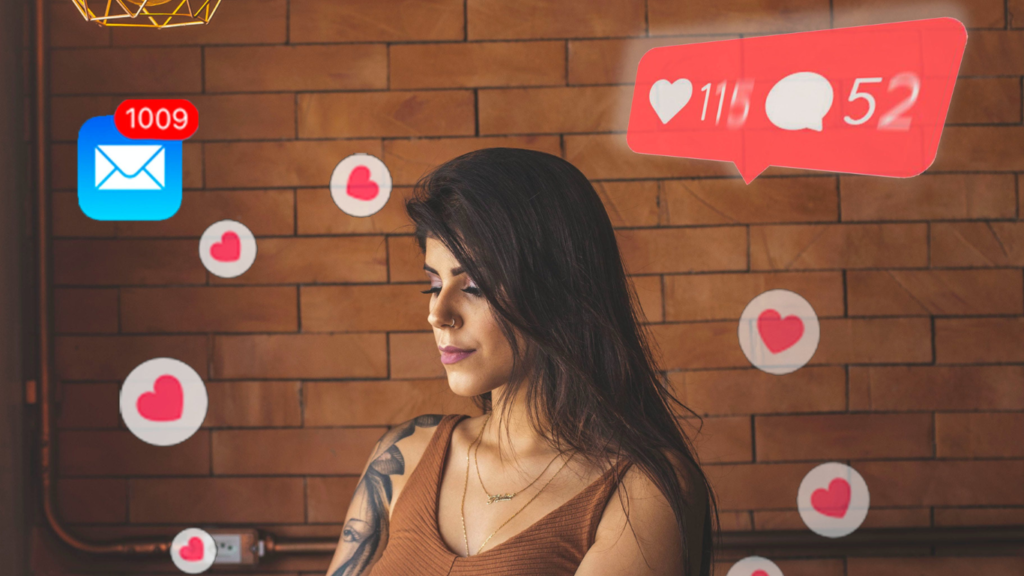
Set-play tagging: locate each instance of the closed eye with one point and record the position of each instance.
(470, 290)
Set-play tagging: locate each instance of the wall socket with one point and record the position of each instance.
(236, 546)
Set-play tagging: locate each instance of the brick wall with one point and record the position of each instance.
(918, 380)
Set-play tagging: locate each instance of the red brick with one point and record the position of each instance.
(293, 68)
(264, 213)
(1015, 12)
(725, 439)
(111, 358)
(495, 19)
(809, 247)
(380, 307)
(88, 406)
(379, 402)
(979, 340)
(119, 262)
(934, 292)
(124, 71)
(776, 484)
(408, 160)
(476, 64)
(85, 310)
(119, 453)
(405, 261)
(985, 101)
(554, 110)
(751, 391)
(68, 113)
(979, 516)
(300, 356)
(980, 149)
(372, 114)
(648, 291)
(979, 435)
(380, 21)
(248, 22)
(414, 355)
(300, 451)
(190, 500)
(67, 28)
(704, 17)
(230, 117)
(977, 14)
(280, 164)
(210, 309)
(724, 296)
(318, 214)
(327, 498)
(614, 60)
(944, 482)
(914, 388)
(843, 436)
(630, 203)
(729, 201)
(993, 53)
(934, 566)
(92, 500)
(928, 197)
(325, 259)
(670, 250)
(67, 219)
(606, 157)
(986, 244)
(255, 403)
(813, 567)
(735, 521)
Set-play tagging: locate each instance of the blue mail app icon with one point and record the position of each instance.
(125, 179)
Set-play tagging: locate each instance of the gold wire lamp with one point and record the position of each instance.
(147, 13)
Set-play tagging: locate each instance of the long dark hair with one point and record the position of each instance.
(534, 236)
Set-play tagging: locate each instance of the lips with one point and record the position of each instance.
(454, 349)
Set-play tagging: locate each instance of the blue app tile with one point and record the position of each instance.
(122, 178)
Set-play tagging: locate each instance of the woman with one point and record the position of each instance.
(535, 319)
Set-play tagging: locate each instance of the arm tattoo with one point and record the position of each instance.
(362, 533)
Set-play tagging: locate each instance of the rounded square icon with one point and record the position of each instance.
(779, 331)
(227, 248)
(833, 499)
(163, 401)
(193, 550)
(754, 566)
(124, 179)
(361, 185)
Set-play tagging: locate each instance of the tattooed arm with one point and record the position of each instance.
(365, 533)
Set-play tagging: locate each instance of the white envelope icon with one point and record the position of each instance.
(128, 167)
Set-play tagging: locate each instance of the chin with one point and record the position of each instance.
(466, 386)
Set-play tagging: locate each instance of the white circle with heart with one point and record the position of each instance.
(779, 331)
(361, 185)
(193, 550)
(833, 499)
(227, 248)
(754, 566)
(163, 401)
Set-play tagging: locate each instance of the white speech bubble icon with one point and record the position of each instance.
(799, 101)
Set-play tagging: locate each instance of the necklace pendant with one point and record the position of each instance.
(499, 498)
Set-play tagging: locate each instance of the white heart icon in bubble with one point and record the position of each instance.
(668, 98)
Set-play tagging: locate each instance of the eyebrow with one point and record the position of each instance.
(454, 271)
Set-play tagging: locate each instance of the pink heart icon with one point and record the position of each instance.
(228, 249)
(779, 333)
(164, 403)
(359, 184)
(832, 502)
(194, 551)
(759, 573)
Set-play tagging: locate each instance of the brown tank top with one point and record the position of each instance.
(552, 546)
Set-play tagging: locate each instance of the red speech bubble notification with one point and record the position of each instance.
(862, 100)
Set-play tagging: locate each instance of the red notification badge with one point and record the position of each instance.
(156, 119)
(863, 100)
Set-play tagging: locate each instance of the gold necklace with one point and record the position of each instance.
(465, 485)
(492, 498)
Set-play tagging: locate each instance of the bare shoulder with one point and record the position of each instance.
(638, 535)
(407, 441)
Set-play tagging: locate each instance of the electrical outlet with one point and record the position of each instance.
(238, 546)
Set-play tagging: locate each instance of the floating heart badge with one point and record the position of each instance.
(834, 501)
(193, 552)
(360, 186)
(165, 403)
(228, 249)
(759, 573)
(668, 99)
(779, 333)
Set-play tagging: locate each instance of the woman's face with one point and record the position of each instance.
(456, 298)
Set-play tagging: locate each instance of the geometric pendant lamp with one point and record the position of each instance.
(147, 13)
